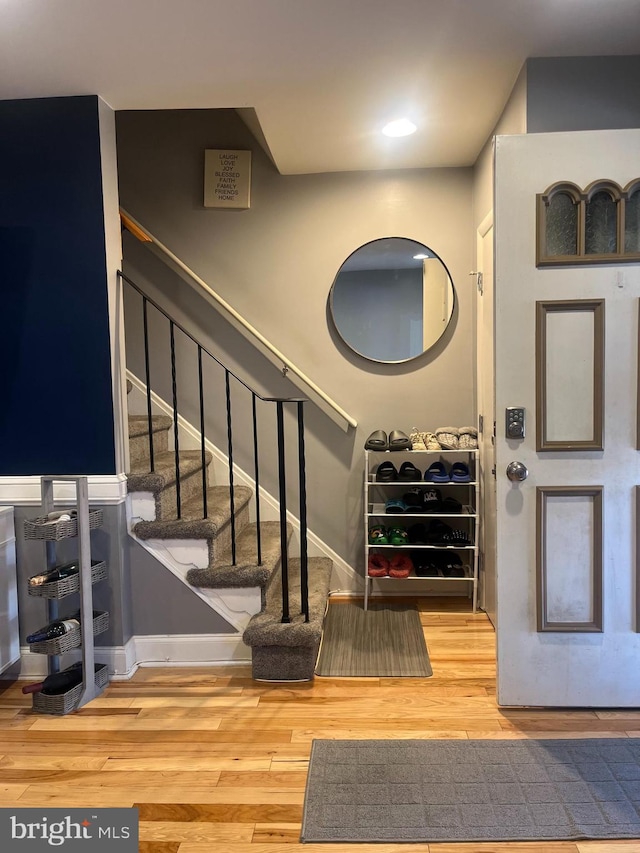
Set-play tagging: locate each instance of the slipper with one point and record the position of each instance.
(378, 535)
(400, 566)
(460, 473)
(397, 536)
(432, 499)
(377, 441)
(378, 566)
(442, 534)
(436, 473)
(386, 472)
(451, 505)
(414, 500)
(468, 439)
(453, 567)
(393, 505)
(448, 437)
(417, 534)
(424, 564)
(417, 441)
(409, 473)
(399, 440)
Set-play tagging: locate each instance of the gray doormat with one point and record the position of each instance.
(385, 640)
(366, 791)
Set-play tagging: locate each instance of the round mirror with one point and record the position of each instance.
(392, 300)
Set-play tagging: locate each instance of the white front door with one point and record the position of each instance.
(566, 552)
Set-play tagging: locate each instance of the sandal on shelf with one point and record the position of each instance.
(418, 534)
(460, 473)
(409, 473)
(468, 439)
(399, 440)
(414, 501)
(377, 441)
(451, 505)
(386, 472)
(394, 506)
(378, 535)
(448, 437)
(436, 473)
(400, 566)
(453, 567)
(431, 441)
(378, 566)
(432, 499)
(424, 564)
(398, 536)
(417, 440)
(442, 534)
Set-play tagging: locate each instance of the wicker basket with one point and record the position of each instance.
(41, 528)
(71, 640)
(64, 703)
(59, 589)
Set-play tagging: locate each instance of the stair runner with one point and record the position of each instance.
(280, 652)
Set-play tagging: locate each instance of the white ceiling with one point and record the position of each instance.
(322, 75)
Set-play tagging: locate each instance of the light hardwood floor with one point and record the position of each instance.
(216, 761)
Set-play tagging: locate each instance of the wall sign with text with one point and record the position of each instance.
(227, 178)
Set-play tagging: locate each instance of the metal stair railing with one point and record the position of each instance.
(277, 404)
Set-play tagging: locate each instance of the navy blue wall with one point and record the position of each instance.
(56, 408)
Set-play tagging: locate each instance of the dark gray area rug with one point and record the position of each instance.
(366, 791)
(385, 640)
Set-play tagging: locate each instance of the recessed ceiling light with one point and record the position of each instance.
(400, 127)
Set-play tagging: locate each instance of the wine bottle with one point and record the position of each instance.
(58, 628)
(57, 682)
(56, 574)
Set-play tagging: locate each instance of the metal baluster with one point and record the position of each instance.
(256, 469)
(205, 513)
(147, 380)
(302, 475)
(176, 442)
(284, 557)
(230, 451)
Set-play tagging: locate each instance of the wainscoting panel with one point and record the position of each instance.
(569, 558)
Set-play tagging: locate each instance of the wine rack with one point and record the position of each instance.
(90, 572)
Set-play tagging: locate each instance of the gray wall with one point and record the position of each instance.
(583, 93)
(275, 264)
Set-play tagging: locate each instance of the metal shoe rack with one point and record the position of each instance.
(377, 492)
(79, 527)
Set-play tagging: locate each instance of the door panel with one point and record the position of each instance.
(575, 662)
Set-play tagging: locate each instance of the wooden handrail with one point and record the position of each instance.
(319, 397)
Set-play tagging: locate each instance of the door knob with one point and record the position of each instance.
(517, 472)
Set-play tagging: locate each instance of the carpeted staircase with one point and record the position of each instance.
(280, 652)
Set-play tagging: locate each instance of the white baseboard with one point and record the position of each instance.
(26, 491)
(144, 650)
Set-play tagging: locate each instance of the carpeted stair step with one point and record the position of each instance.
(288, 651)
(162, 481)
(215, 528)
(221, 573)
(139, 438)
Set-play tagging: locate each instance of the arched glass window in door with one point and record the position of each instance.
(632, 222)
(596, 225)
(562, 225)
(601, 224)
